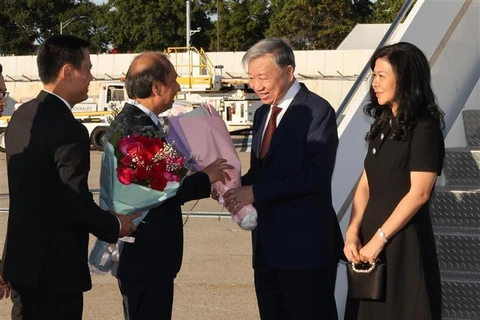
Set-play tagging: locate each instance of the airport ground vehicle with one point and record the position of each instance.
(94, 113)
(200, 82)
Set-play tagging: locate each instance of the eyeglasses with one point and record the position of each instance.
(4, 95)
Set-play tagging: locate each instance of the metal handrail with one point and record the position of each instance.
(353, 90)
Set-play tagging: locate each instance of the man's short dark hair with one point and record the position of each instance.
(1, 68)
(55, 52)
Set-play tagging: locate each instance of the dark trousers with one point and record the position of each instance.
(147, 300)
(296, 294)
(31, 304)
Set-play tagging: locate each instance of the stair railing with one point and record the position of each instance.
(357, 84)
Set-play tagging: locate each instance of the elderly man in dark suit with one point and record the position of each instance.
(51, 210)
(297, 242)
(148, 266)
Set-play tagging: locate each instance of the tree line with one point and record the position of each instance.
(226, 25)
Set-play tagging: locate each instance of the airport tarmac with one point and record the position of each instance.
(216, 280)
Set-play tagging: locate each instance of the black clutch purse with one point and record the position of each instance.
(367, 281)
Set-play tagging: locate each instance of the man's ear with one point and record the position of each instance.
(157, 88)
(290, 70)
(66, 72)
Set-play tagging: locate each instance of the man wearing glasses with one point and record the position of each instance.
(3, 92)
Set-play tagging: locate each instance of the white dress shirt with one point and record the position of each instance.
(284, 104)
(156, 119)
(64, 101)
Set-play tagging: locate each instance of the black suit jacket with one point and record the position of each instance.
(51, 208)
(158, 247)
(297, 225)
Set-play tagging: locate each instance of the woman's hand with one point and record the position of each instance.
(372, 249)
(352, 248)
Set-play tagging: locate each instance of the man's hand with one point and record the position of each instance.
(214, 194)
(235, 199)
(4, 288)
(216, 171)
(127, 227)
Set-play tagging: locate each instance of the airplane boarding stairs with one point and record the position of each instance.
(456, 219)
(447, 32)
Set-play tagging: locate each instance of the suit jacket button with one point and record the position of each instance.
(374, 151)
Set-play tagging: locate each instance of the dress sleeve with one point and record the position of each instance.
(427, 147)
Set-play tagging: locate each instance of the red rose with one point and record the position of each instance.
(125, 175)
(125, 143)
(171, 177)
(179, 161)
(142, 173)
(124, 140)
(146, 161)
(158, 182)
(145, 141)
(127, 161)
(155, 146)
(145, 157)
(159, 168)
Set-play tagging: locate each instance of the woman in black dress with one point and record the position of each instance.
(390, 215)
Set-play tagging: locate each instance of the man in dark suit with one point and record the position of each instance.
(297, 242)
(148, 266)
(51, 210)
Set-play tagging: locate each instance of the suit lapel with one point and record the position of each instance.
(288, 120)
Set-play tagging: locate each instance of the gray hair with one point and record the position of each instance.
(280, 49)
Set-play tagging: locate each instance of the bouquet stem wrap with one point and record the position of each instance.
(246, 217)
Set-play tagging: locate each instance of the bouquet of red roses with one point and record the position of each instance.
(139, 172)
(148, 161)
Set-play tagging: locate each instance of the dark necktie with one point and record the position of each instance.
(272, 125)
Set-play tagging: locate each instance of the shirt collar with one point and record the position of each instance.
(64, 101)
(157, 120)
(287, 99)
